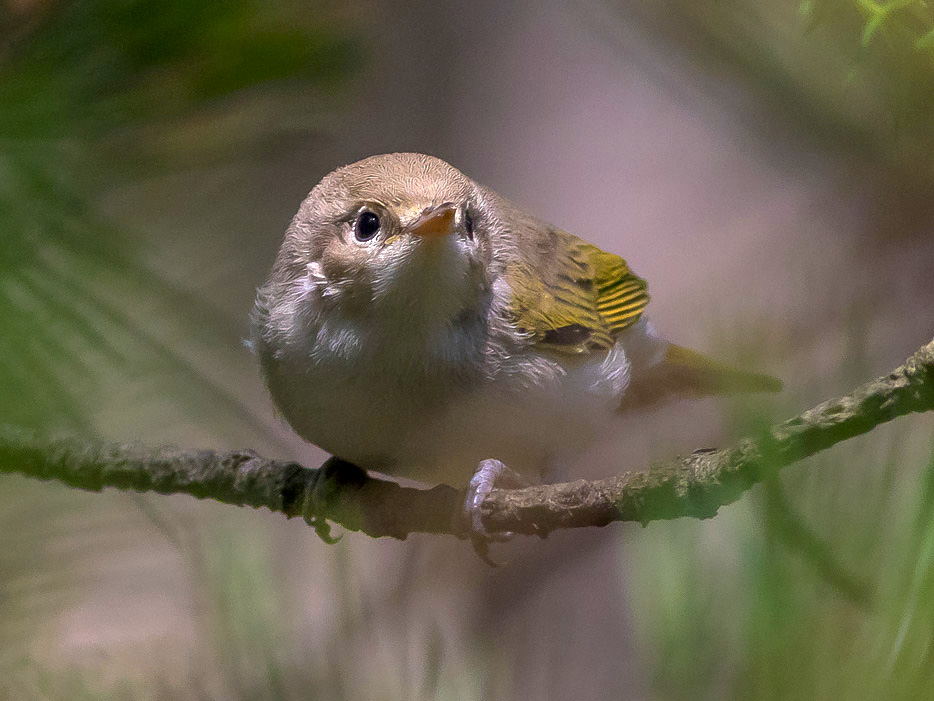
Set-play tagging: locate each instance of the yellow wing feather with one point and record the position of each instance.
(572, 296)
(621, 295)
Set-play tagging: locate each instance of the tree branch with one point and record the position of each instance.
(696, 485)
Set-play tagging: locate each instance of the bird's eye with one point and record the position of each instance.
(367, 225)
(468, 224)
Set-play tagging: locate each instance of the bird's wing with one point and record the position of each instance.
(572, 297)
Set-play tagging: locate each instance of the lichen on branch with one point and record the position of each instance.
(696, 485)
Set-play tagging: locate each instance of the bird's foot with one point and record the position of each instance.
(490, 474)
(329, 479)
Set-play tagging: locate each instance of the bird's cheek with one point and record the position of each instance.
(332, 266)
(345, 276)
(396, 266)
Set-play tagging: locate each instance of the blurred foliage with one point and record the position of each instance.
(817, 586)
(853, 72)
(95, 91)
(92, 93)
(911, 22)
(95, 94)
(757, 622)
(93, 66)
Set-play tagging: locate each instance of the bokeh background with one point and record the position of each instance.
(768, 166)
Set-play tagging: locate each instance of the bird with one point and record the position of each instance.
(418, 324)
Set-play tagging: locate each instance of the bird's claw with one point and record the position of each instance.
(323, 488)
(489, 474)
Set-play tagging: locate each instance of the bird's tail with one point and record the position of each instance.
(686, 373)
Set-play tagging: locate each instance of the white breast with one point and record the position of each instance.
(527, 426)
(381, 410)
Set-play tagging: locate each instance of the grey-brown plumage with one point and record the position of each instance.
(415, 323)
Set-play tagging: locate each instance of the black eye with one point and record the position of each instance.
(468, 224)
(366, 227)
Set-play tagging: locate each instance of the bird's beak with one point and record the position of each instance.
(436, 222)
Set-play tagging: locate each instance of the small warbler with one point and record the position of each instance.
(418, 324)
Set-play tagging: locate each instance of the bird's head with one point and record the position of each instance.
(396, 234)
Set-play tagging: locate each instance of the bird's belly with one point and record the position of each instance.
(436, 431)
(527, 431)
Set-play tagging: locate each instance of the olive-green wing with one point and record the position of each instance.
(573, 297)
(622, 296)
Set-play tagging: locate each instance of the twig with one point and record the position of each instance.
(696, 485)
